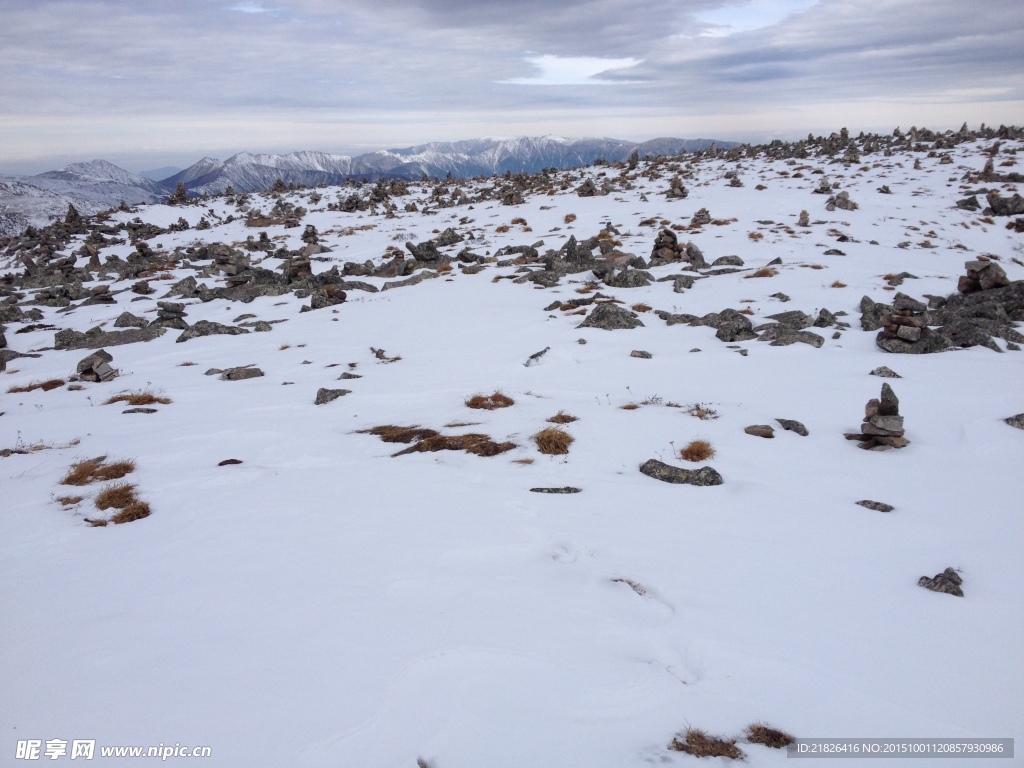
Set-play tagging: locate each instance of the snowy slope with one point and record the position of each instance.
(324, 603)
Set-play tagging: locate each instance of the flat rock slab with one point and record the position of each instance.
(886, 373)
(659, 470)
(563, 489)
(228, 462)
(793, 426)
(140, 410)
(948, 581)
(760, 430)
(237, 374)
(324, 395)
(641, 354)
(878, 506)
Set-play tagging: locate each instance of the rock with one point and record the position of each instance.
(534, 359)
(1005, 206)
(611, 317)
(760, 430)
(804, 220)
(883, 426)
(140, 410)
(969, 203)
(842, 201)
(641, 353)
(793, 426)
(128, 320)
(587, 189)
(734, 327)
(324, 395)
(242, 372)
(96, 367)
(96, 338)
(426, 251)
(631, 278)
(948, 581)
(888, 404)
(563, 489)
(704, 476)
(982, 276)
(727, 261)
(186, 289)
(419, 277)
(228, 462)
(1016, 421)
(782, 336)
(886, 373)
(876, 505)
(328, 296)
(209, 328)
(794, 319)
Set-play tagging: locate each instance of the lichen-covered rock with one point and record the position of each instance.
(885, 373)
(760, 430)
(96, 367)
(95, 338)
(324, 395)
(611, 317)
(631, 278)
(241, 372)
(793, 426)
(1005, 206)
(1016, 421)
(948, 582)
(878, 506)
(668, 474)
(128, 320)
(210, 328)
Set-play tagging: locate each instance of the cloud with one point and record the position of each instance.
(218, 77)
(573, 70)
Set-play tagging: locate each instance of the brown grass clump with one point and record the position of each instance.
(519, 220)
(838, 284)
(640, 308)
(68, 501)
(759, 733)
(563, 418)
(457, 424)
(186, 364)
(392, 434)
(630, 407)
(90, 470)
(569, 218)
(142, 397)
(490, 402)
(477, 444)
(746, 311)
(502, 228)
(756, 236)
(118, 496)
(697, 450)
(524, 462)
(134, 511)
(553, 441)
(444, 269)
(46, 386)
(702, 412)
(763, 272)
(699, 744)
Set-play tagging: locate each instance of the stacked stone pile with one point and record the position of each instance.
(883, 426)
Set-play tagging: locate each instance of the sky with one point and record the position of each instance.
(146, 84)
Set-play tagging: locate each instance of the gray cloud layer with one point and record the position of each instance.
(155, 81)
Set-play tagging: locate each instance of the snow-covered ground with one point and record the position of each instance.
(326, 604)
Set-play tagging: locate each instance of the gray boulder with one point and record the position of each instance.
(947, 582)
(209, 328)
(96, 367)
(324, 395)
(668, 474)
(611, 317)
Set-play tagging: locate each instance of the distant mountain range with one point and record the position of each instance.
(96, 185)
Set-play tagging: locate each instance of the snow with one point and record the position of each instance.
(325, 604)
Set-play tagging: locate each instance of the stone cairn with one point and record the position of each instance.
(982, 275)
(883, 426)
(905, 329)
(171, 314)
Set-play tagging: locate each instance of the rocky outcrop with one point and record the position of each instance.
(611, 317)
(96, 338)
(209, 328)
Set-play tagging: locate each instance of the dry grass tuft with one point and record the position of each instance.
(490, 402)
(186, 364)
(563, 418)
(477, 444)
(702, 412)
(697, 450)
(699, 744)
(457, 424)
(838, 284)
(142, 397)
(553, 441)
(763, 272)
(503, 228)
(756, 236)
(392, 434)
(134, 511)
(68, 501)
(630, 407)
(569, 218)
(524, 462)
(759, 733)
(118, 496)
(46, 386)
(640, 308)
(90, 470)
(520, 220)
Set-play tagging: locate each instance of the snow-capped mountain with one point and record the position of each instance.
(97, 185)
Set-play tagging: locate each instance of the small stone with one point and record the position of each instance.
(237, 374)
(760, 430)
(641, 353)
(564, 489)
(324, 395)
(140, 410)
(886, 373)
(793, 426)
(1016, 421)
(889, 404)
(228, 462)
(876, 505)
(948, 581)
